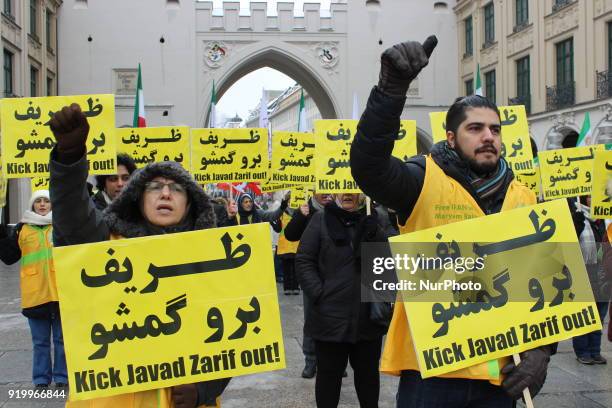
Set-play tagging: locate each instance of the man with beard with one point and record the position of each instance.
(463, 177)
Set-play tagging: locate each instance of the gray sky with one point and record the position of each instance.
(245, 94)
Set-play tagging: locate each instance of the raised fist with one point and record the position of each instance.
(70, 128)
(232, 209)
(305, 209)
(401, 63)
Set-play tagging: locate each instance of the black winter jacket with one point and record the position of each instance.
(330, 275)
(296, 227)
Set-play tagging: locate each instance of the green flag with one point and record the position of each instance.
(478, 87)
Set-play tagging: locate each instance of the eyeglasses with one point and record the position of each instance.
(158, 187)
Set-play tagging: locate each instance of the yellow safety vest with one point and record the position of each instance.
(442, 201)
(285, 246)
(37, 271)
(159, 398)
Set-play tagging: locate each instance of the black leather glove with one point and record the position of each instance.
(530, 373)
(70, 128)
(370, 227)
(401, 63)
(185, 396)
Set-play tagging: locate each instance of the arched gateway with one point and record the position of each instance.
(310, 49)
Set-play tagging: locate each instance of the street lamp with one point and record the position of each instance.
(373, 8)
(373, 5)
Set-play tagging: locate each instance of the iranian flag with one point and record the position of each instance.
(302, 115)
(139, 111)
(213, 108)
(478, 87)
(584, 138)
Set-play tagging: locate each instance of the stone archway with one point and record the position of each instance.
(560, 136)
(311, 49)
(570, 138)
(286, 63)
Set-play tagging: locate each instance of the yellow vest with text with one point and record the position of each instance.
(284, 246)
(442, 201)
(37, 271)
(159, 398)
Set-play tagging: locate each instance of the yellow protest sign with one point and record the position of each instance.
(152, 312)
(293, 158)
(3, 187)
(27, 138)
(333, 140)
(510, 282)
(300, 195)
(39, 183)
(270, 188)
(516, 144)
(531, 180)
(148, 145)
(567, 172)
(229, 155)
(406, 142)
(601, 195)
(438, 126)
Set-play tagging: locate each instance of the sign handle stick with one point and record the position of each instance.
(526, 393)
(368, 206)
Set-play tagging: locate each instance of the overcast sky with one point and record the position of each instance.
(246, 93)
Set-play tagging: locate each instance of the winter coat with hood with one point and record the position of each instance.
(328, 269)
(77, 221)
(255, 215)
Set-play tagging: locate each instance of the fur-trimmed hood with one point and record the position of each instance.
(124, 217)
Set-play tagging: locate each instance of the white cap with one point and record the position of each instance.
(36, 195)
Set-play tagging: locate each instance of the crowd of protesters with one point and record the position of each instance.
(319, 248)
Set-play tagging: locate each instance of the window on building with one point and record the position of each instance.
(489, 23)
(469, 36)
(33, 17)
(522, 12)
(50, 91)
(565, 62)
(490, 85)
(469, 87)
(33, 81)
(48, 29)
(8, 7)
(523, 82)
(8, 73)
